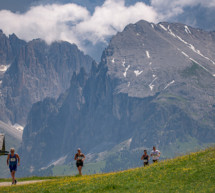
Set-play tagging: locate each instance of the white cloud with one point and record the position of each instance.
(170, 8)
(48, 22)
(74, 23)
(113, 16)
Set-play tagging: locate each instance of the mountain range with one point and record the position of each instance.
(154, 86)
(30, 72)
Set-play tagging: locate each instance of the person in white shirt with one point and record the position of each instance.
(79, 157)
(155, 154)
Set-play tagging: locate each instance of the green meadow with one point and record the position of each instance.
(190, 173)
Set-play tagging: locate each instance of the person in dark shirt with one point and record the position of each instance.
(145, 158)
(13, 160)
(79, 157)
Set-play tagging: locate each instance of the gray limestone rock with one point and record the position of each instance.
(154, 86)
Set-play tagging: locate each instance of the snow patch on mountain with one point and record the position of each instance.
(123, 63)
(129, 142)
(181, 39)
(151, 86)
(195, 61)
(137, 72)
(172, 82)
(200, 65)
(190, 46)
(11, 129)
(187, 30)
(162, 27)
(184, 54)
(147, 54)
(18, 127)
(171, 33)
(125, 73)
(3, 68)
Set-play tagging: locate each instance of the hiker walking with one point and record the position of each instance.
(79, 157)
(155, 154)
(145, 158)
(12, 160)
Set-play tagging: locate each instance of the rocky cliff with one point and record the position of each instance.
(31, 71)
(154, 86)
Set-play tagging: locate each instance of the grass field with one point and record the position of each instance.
(190, 173)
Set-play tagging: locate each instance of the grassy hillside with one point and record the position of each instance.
(191, 173)
(119, 158)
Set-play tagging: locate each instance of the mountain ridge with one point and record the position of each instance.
(29, 72)
(153, 86)
(35, 70)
